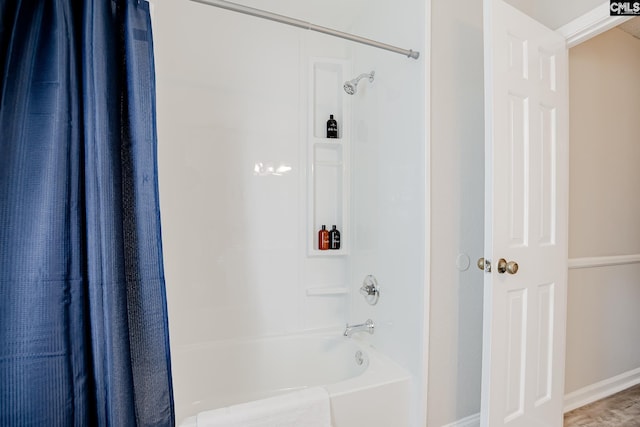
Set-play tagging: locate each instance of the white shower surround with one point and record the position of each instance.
(232, 126)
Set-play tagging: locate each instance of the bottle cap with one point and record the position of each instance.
(331, 116)
(334, 227)
(324, 227)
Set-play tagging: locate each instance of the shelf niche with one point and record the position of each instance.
(328, 195)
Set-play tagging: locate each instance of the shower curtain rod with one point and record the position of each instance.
(306, 25)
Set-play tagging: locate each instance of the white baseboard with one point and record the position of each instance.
(470, 421)
(601, 389)
(577, 398)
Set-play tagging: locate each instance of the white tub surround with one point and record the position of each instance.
(248, 177)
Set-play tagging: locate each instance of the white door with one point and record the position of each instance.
(526, 119)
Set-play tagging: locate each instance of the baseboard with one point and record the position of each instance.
(577, 398)
(470, 421)
(601, 389)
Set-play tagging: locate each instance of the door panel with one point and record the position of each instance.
(518, 139)
(516, 353)
(526, 184)
(544, 349)
(547, 152)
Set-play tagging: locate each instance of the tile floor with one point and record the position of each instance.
(619, 410)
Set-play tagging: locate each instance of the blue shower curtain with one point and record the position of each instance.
(83, 322)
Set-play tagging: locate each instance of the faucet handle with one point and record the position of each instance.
(370, 289)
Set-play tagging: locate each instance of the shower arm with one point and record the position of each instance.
(363, 75)
(306, 25)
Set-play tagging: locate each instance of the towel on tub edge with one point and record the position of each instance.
(305, 408)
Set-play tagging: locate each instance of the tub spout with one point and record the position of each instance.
(367, 326)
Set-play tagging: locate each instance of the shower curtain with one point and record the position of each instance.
(83, 322)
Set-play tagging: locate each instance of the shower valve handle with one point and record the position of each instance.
(370, 290)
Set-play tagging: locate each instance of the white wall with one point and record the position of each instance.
(389, 183)
(603, 315)
(232, 95)
(228, 100)
(457, 211)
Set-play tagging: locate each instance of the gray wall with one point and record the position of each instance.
(603, 315)
(457, 205)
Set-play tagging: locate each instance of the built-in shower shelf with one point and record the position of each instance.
(330, 141)
(328, 187)
(326, 163)
(328, 253)
(326, 291)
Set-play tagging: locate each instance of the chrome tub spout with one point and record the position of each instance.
(367, 326)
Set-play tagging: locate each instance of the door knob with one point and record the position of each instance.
(484, 265)
(510, 267)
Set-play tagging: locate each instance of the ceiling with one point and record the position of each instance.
(556, 13)
(632, 27)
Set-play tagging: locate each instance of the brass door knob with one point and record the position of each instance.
(484, 265)
(510, 267)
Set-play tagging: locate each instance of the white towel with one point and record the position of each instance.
(305, 408)
(189, 422)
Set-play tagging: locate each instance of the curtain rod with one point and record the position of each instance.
(306, 25)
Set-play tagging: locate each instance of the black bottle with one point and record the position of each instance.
(332, 127)
(334, 238)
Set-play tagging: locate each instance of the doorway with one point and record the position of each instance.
(604, 234)
(617, 192)
(456, 200)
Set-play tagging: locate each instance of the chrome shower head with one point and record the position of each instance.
(351, 86)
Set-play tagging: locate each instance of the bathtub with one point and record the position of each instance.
(365, 388)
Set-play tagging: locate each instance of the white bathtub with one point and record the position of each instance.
(365, 390)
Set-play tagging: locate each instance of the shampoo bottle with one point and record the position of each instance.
(334, 238)
(332, 127)
(323, 238)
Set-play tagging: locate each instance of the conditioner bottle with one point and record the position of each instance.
(323, 238)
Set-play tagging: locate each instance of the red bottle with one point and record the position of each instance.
(323, 238)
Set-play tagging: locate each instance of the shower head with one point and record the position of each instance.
(351, 86)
